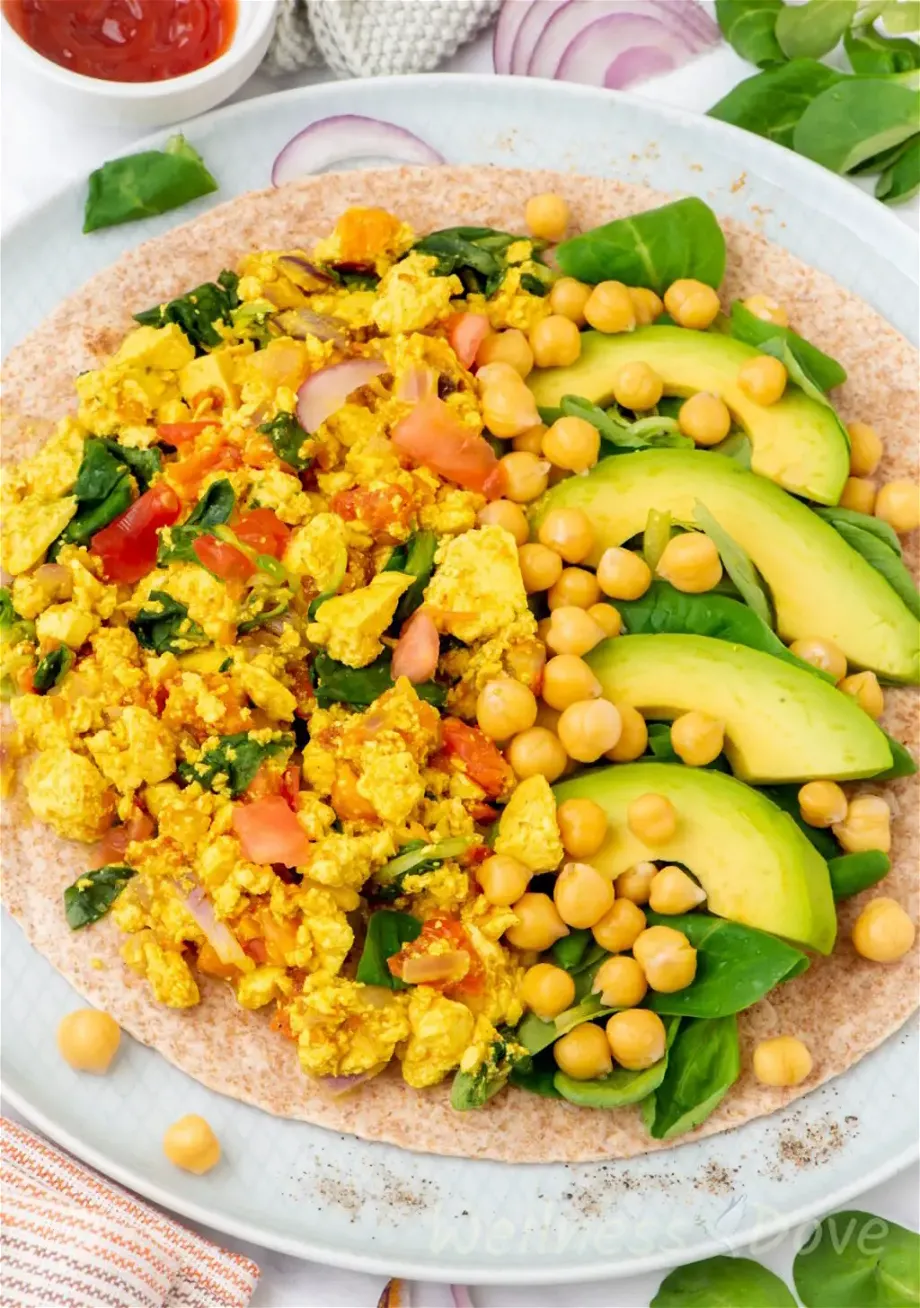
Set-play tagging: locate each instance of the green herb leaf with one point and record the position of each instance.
(163, 625)
(141, 185)
(336, 683)
(824, 371)
(387, 932)
(703, 1065)
(737, 564)
(93, 894)
(52, 669)
(723, 1282)
(873, 55)
(749, 27)
(415, 559)
(197, 311)
(855, 119)
(855, 1260)
(901, 179)
(238, 758)
(473, 1089)
(653, 249)
(771, 103)
(811, 30)
(287, 436)
(851, 873)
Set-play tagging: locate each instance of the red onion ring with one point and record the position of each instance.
(335, 140)
(513, 13)
(530, 31)
(324, 392)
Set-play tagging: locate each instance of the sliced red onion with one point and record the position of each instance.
(323, 393)
(513, 13)
(218, 934)
(530, 31)
(343, 1085)
(461, 1296)
(294, 266)
(301, 323)
(417, 383)
(583, 39)
(621, 49)
(335, 140)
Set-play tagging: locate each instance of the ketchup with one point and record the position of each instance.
(125, 40)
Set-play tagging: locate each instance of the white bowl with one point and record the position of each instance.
(153, 104)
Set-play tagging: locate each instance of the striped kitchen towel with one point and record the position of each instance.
(71, 1239)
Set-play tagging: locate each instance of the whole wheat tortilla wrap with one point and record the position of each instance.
(842, 1007)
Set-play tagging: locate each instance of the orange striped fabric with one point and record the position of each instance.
(71, 1239)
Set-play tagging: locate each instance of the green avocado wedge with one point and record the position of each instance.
(754, 863)
(799, 442)
(781, 722)
(820, 585)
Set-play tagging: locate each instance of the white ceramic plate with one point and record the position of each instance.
(372, 1207)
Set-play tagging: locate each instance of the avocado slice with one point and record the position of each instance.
(781, 722)
(752, 860)
(798, 442)
(819, 584)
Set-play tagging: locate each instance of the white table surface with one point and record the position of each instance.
(40, 151)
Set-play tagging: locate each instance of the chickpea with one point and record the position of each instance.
(704, 418)
(763, 379)
(537, 752)
(192, 1145)
(547, 990)
(867, 825)
(572, 631)
(637, 386)
(539, 925)
(767, 309)
(858, 494)
(697, 738)
(503, 513)
(637, 1038)
(504, 708)
(635, 883)
(622, 574)
(573, 444)
(866, 449)
(821, 653)
(691, 563)
(898, 504)
(633, 736)
(646, 304)
(691, 303)
(666, 957)
(568, 532)
(503, 879)
(555, 341)
(864, 688)
(530, 441)
(589, 728)
(883, 932)
(652, 818)
(620, 926)
(525, 476)
(822, 803)
(610, 308)
(498, 373)
(508, 407)
(568, 297)
(620, 982)
(607, 618)
(574, 586)
(547, 216)
(583, 1054)
(782, 1061)
(582, 826)
(541, 567)
(510, 346)
(546, 716)
(567, 680)
(88, 1040)
(672, 891)
(582, 895)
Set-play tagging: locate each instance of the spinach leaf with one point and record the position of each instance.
(387, 932)
(851, 873)
(197, 311)
(899, 16)
(723, 1282)
(99, 472)
(855, 119)
(703, 1065)
(824, 371)
(237, 758)
(771, 103)
(143, 464)
(787, 798)
(13, 627)
(215, 506)
(415, 559)
(748, 25)
(287, 436)
(103, 490)
(644, 433)
(811, 30)
(903, 763)
(881, 557)
(855, 1260)
(865, 521)
(163, 625)
(535, 1034)
(538, 1078)
(91, 516)
(476, 255)
(141, 185)
(737, 446)
(737, 564)
(568, 952)
(656, 536)
(336, 683)
(473, 1089)
(52, 669)
(659, 742)
(653, 249)
(900, 181)
(417, 857)
(735, 966)
(93, 894)
(873, 55)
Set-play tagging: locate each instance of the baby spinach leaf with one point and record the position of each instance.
(703, 1065)
(387, 932)
(93, 894)
(99, 472)
(865, 521)
(163, 625)
(900, 181)
(287, 436)
(52, 669)
(653, 249)
(811, 30)
(568, 952)
(474, 254)
(417, 857)
(656, 536)
(237, 757)
(855, 1260)
(103, 486)
(900, 16)
(659, 742)
(655, 432)
(735, 966)
(903, 763)
(749, 27)
(215, 506)
(722, 1282)
(771, 103)
(336, 683)
(736, 446)
(535, 1034)
(737, 564)
(873, 55)
(538, 1078)
(143, 464)
(141, 185)
(416, 559)
(787, 798)
(473, 1089)
(855, 119)
(197, 311)
(851, 873)
(824, 371)
(93, 515)
(882, 557)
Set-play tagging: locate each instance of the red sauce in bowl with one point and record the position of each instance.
(125, 40)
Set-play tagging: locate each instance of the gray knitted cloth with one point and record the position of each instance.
(369, 38)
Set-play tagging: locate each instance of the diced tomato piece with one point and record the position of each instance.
(256, 950)
(112, 846)
(178, 433)
(483, 813)
(290, 783)
(128, 546)
(379, 509)
(466, 332)
(481, 759)
(270, 833)
(186, 474)
(433, 436)
(263, 531)
(225, 561)
(438, 931)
